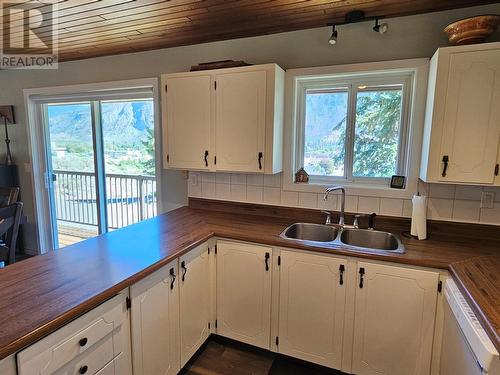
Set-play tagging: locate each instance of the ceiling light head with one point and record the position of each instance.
(380, 28)
(333, 37)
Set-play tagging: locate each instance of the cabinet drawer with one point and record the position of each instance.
(113, 367)
(89, 362)
(97, 336)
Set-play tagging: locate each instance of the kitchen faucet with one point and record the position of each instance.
(342, 202)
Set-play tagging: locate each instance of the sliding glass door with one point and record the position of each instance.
(101, 166)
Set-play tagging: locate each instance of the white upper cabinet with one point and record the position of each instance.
(462, 125)
(232, 116)
(155, 323)
(187, 116)
(394, 320)
(240, 115)
(244, 292)
(311, 308)
(194, 300)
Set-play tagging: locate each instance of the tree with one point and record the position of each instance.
(149, 165)
(378, 116)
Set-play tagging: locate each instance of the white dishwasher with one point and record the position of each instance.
(466, 349)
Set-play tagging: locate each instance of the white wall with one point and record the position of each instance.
(408, 37)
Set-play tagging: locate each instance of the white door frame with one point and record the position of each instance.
(37, 149)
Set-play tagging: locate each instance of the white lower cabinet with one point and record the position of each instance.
(194, 301)
(155, 323)
(311, 307)
(365, 318)
(244, 292)
(394, 320)
(84, 346)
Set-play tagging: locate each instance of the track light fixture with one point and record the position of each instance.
(333, 37)
(380, 28)
(356, 16)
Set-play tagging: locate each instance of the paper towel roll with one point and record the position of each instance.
(419, 217)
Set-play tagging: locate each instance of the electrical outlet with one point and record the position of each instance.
(487, 199)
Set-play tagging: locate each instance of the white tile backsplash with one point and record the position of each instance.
(238, 193)
(255, 179)
(208, 190)
(407, 207)
(367, 205)
(490, 215)
(351, 203)
(308, 200)
(391, 207)
(441, 191)
(466, 211)
(289, 198)
(223, 178)
(446, 202)
(255, 193)
(272, 180)
(331, 204)
(472, 193)
(272, 195)
(223, 191)
(439, 209)
(238, 179)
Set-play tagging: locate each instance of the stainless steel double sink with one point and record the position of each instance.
(357, 239)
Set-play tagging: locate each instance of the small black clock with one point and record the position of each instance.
(398, 182)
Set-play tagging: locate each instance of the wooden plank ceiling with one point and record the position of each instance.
(90, 28)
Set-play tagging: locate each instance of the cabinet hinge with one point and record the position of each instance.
(215, 85)
(277, 341)
(440, 286)
(496, 169)
(215, 323)
(279, 260)
(128, 303)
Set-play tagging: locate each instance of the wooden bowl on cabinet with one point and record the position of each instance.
(472, 30)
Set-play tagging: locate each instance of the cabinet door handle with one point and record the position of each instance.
(184, 270)
(446, 160)
(267, 261)
(206, 158)
(83, 369)
(341, 277)
(260, 160)
(361, 276)
(172, 278)
(83, 341)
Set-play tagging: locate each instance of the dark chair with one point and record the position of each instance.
(8, 196)
(10, 217)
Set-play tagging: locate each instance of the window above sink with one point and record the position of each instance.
(355, 125)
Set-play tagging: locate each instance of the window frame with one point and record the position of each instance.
(415, 74)
(34, 100)
(350, 84)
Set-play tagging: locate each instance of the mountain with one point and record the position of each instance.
(124, 124)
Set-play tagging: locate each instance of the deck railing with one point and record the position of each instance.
(129, 198)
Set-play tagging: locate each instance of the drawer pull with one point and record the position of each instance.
(83, 369)
(83, 341)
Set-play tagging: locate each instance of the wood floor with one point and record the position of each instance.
(225, 357)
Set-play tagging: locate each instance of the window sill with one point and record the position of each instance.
(367, 190)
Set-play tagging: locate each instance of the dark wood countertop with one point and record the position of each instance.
(43, 293)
